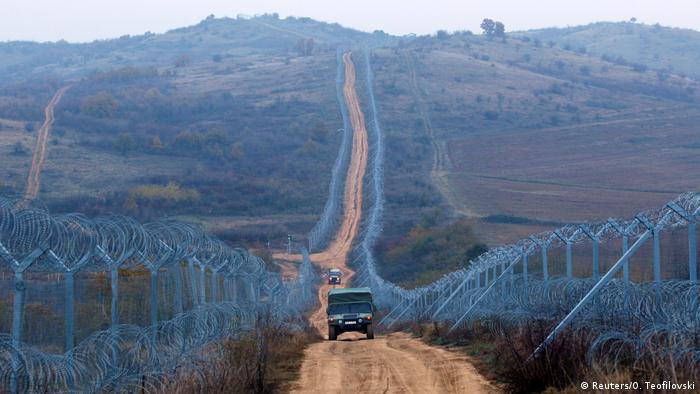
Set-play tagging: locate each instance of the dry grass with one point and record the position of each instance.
(501, 353)
(561, 145)
(266, 360)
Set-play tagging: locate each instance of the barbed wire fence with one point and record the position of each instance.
(322, 232)
(110, 304)
(608, 277)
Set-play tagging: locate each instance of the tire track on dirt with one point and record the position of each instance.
(40, 149)
(395, 363)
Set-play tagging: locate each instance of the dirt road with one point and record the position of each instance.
(395, 363)
(335, 255)
(42, 139)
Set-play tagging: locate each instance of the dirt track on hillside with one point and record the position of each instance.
(42, 139)
(395, 363)
(441, 159)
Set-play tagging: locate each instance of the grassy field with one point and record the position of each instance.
(537, 136)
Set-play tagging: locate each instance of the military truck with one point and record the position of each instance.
(334, 275)
(350, 309)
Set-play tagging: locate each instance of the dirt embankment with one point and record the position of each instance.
(395, 363)
(42, 139)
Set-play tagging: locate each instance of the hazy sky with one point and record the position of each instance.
(86, 20)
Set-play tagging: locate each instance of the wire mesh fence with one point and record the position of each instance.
(106, 303)
(626, 280)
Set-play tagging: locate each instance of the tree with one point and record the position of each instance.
(488, 26)
(100, 105)
(633, 20)
(19, 149)
(124, 143)
(499, 30)
(442, 34)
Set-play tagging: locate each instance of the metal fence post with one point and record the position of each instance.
(17, 315)
(193, 281)
(70, 319)
(234, 289)
(178, 288)
(657, 265)
(202, 284)
(569, 262)
(214, 287)
(626, 271)
(545, 264)
(692, 253)
(596, 259)
(589, 296)
(154, 301)
(114, 282)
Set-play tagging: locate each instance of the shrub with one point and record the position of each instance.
(265, 360)
(18, 149)
(640, 68)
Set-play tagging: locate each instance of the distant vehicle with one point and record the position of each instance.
(334, 276)
(350, 309)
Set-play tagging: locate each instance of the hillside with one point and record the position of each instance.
(669, 50)
(232, 122)
(213, 37)
(519, 137)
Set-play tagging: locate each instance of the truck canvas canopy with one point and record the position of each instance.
(360, 294)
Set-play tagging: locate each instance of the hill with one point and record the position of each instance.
(212, 37)
(519, 137)
(666, 49)
(233, 123)
(225, 122)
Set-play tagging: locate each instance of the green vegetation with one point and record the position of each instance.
(428, 251)
(669, 50)
(154, 201)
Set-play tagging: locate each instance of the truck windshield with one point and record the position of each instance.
(356, 307)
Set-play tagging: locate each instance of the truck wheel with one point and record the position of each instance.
(370, 332)
(332, 333)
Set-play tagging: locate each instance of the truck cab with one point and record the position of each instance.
(334, 276)
(350, 309)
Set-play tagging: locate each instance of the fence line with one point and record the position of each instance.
(136, 299)
(519, 282)
(323, 230)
